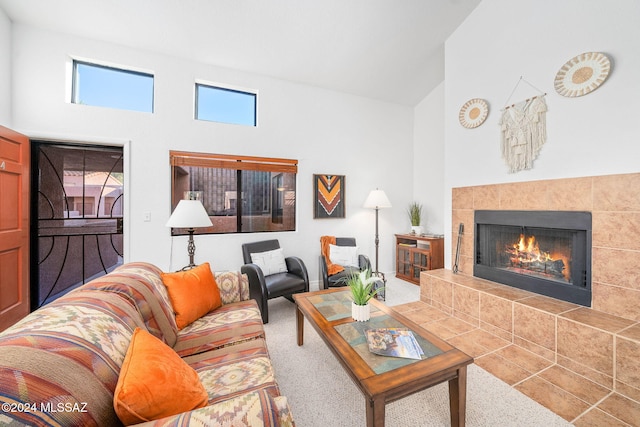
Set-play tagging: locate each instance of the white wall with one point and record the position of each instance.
(5, 70)
(328, 132)
(428, 159)
(596, 134)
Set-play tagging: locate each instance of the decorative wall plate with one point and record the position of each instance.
(582, 74)
(473, 113)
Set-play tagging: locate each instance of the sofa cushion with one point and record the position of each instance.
(141, 285)
(155, 382)
(193, 293)
(229, 324)
(234, 370)
(233, 286)
(253, 409)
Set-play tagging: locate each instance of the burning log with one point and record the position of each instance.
(527, 255)
(553, 268)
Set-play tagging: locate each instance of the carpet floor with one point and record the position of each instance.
(321, 394)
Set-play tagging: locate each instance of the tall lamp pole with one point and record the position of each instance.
(377, 199)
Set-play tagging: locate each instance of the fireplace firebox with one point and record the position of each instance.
(546, 252)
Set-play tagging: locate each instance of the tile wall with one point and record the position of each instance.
(600, 344)
(613, 200)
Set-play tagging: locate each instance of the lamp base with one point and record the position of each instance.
(191, 250)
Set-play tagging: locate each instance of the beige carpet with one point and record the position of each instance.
(322, 395)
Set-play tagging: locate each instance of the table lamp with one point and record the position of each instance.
(189, 214)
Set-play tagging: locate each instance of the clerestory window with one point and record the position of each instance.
(104, 86)
(219, 104)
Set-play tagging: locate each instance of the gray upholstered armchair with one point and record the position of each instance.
(271, 275)
(338, 279)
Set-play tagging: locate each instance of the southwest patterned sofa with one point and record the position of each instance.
(60, 365)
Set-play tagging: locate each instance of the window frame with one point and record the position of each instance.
(217, 86)
(238, 163)
(121, 69)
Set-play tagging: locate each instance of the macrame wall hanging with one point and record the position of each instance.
(523, 130)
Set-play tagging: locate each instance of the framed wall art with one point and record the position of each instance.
(329, 196)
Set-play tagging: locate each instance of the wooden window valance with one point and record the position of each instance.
(227, 161)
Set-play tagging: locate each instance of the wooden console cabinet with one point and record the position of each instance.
(415, 254)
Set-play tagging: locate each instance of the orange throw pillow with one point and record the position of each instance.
(155, 382)
(193, 293)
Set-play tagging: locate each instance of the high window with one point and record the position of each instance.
(225, 105)
(241, 194)
(103, 86)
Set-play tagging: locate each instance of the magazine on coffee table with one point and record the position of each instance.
(395, 342)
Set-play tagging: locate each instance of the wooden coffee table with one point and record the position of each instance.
(383, 379)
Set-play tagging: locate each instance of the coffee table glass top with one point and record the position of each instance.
(334, 306)
(337, 306)
(354, 334)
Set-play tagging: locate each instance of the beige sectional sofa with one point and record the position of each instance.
(62, 365)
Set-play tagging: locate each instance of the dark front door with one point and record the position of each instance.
(77, 206)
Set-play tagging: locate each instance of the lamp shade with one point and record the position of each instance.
(189, 214)
(377, 199)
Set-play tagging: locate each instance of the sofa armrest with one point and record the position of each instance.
(233, 286)
(257, 287)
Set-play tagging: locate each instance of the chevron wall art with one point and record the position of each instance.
(329, 199)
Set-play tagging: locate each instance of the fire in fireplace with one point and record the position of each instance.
(547, 252)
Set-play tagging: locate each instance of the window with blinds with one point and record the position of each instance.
(241, 194)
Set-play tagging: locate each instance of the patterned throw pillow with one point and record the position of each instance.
(270, 262)
(155, 382)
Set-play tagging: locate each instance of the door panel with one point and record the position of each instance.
(14, 227)
(77, 234)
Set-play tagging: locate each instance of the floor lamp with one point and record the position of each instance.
(376, 200)
(189, 214)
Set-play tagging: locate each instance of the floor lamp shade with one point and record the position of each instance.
(189, 214)
(377, 199)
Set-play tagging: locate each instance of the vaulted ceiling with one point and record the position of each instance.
(391, 50)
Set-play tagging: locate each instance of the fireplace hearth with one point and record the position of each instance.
(546, 252)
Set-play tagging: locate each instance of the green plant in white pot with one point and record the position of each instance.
(415, 217)
(362, 290)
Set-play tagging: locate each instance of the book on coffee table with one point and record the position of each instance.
(394, 342)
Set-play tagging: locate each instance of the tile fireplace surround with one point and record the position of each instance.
(599, 347)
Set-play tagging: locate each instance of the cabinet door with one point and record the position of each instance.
(421, 259)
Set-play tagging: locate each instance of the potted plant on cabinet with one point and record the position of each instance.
(362, 286)
(415, 216)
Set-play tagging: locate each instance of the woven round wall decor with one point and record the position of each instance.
(473, 113)
(582, 74)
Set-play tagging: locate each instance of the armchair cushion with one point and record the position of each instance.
(346, 256)
(155, 382)
(325, 243)
(193, 293)
(270, 262)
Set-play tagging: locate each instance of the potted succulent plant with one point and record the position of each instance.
(415, 216)
(362, 289)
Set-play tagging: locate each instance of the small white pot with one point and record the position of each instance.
(416, 229)
(360, 313)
